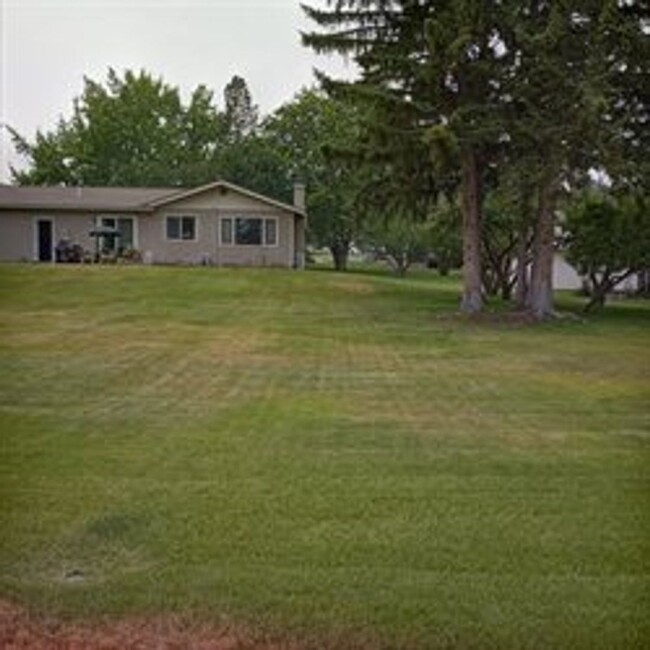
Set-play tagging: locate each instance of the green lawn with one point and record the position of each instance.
(324, 454)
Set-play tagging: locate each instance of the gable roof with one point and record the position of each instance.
(116, 199)
(108, 199)
(225, 185)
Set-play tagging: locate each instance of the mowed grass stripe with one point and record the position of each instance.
(318, 452)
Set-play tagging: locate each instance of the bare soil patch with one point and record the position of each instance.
(501, 318)
(22, 630)
(514, 318)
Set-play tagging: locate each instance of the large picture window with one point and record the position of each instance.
(181, 228)
(249, 231)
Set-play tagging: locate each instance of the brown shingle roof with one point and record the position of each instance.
(115, 199)
(109, 199)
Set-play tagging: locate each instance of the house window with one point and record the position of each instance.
(124, 227)
(249, 231)
(181, 228)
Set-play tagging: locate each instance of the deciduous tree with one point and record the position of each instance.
(311, 134)
(607, 239)
(132, 130)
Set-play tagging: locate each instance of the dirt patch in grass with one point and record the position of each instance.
(20, 630)
(499, 318)
(513, 318)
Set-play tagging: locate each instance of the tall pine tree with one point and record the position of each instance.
(241, 114)
(571, 110)
(550, 90)
(432, 65)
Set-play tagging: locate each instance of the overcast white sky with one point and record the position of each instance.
(47, 46)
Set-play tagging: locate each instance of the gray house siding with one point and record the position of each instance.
(19, 232)
(157, 249)
(17, 240)
(210, 208)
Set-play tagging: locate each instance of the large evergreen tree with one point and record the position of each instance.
(570, 110)
(241, 114)
(542, 91)
(429, 67)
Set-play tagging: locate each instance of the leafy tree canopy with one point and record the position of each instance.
(132, 130)
(607, 238)
(313, 134)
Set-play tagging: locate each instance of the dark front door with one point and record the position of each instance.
(44, 234)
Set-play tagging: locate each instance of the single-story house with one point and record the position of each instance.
(567, 277)
(219, 223)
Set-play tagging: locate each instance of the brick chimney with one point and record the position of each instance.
(299, 195)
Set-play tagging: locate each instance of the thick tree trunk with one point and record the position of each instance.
(540, 294)
(340, 254)
(472, 298)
